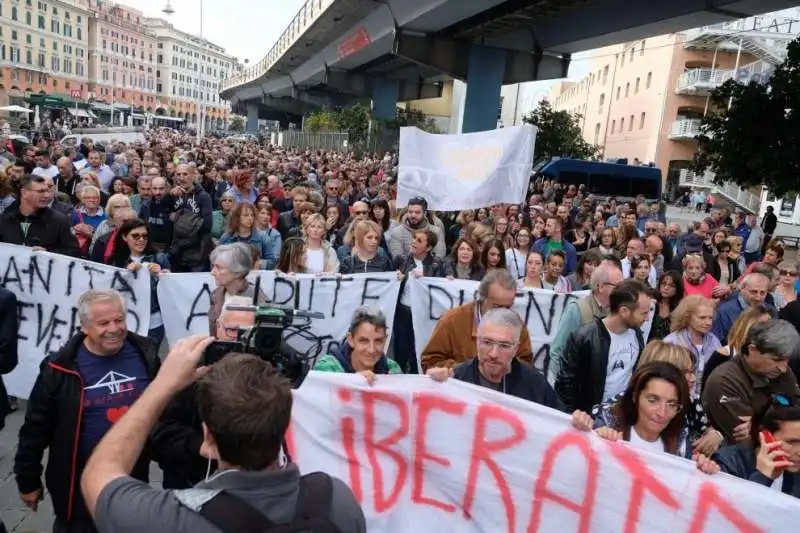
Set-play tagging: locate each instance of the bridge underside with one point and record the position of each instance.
(399, 50)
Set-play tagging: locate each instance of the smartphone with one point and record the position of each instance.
(768, 438)
(219, 349)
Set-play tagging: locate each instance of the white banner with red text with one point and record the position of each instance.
(47, 287)
(422, 456)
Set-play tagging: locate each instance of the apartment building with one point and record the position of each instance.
(122, 60)
(43, 51)
(645, 100)
(189, 71)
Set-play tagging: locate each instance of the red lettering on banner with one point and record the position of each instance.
(425, 404)
(384, 445)
(643, 480)
(348, 427)
(541, 493)
(482, 451)
(708, 498)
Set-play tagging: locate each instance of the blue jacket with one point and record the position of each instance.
(268, 242)
(729, 310)
(572, 254)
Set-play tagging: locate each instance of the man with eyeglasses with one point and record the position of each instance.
(599, 358)
(745, 385)
(496, 367)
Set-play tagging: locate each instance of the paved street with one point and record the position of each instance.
(19, 520)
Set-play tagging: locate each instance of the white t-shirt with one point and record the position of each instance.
(639, 442)
(49, 172)
(777, 484)
(622, 355)
(315, 261)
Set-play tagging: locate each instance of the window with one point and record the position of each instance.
(55, 63)
(596, 133)
(13, 13)
(649, 80)
(2, 52)
(613, 126)
(621, 124)
(13, 35)
(602, 101)
(627, 89)
(605, 74)
(631, 58)
(641, 121)
(630, 124)
(619, 91)
(55, 26)
(641, 50)
(29, 57)
(28, 19)
(29, 39)
(41, 22)
(636, 86)
(80, 34)
(79, 68)
(622, 60)
(42, 59)
(67, 65)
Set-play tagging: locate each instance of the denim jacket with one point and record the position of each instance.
(268, 242)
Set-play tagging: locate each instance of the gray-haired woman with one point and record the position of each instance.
(230, 265)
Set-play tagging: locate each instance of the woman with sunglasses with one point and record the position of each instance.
(725, 269)
(649, 414)
(785, 293)
(132, 250)
(771, 458)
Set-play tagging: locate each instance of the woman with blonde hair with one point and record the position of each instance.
(115, 211)
(320, 255)
(691, 328)
(785, 293)
(736, 254)
(366, 254)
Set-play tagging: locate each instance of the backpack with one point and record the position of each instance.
(231, 514)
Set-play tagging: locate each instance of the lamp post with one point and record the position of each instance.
(168, 10)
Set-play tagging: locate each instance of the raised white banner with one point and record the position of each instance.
(540, 309)
(47, 287)
(186, 298)
(423, 456)
(467, 171)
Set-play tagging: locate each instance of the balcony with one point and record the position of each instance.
(701, 81)
(742, 198)
(685, 129)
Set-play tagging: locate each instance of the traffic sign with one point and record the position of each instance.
(75, 93)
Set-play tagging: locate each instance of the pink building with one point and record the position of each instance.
(644, 100)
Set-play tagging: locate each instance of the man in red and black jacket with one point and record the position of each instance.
(81, 391)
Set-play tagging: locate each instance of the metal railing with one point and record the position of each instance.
(685, 128)
(744, 198)
(332, 140)
(307, 15)
(699, 79)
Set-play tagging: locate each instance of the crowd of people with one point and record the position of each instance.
(685, 345)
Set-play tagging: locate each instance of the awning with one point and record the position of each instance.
(105, 108)
(169, 119)
(137, 115)
(83, 113)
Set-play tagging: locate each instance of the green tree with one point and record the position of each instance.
(412, 117)
(559, 134)
(353, 119)
(752, 134)
(323, 120)
(237, 123)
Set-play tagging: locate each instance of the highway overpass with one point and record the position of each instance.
(335, 52)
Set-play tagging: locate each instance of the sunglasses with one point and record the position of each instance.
(138, 236)
(788, 273)
(360, 213)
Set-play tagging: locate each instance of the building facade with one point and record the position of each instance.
(644, 100)
(43, 50)
(188, 75)
(122, 60)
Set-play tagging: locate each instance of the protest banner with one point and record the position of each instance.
(454, 172)
(540, 309)
(427, 456)
(186, 298)
(47, 287)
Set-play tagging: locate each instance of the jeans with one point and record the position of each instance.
(156, 336)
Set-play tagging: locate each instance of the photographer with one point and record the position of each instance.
(179, 433)
(245, 408)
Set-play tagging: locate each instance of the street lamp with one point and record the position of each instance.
(168, 10)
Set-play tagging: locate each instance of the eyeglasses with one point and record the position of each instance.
(792, 273)
(138, 236)
(503, 346)
(671, 405)
(360, 213)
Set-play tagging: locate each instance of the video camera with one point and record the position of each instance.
(265, 340)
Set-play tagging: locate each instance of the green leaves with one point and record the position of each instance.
(559, 134)
(757, 141)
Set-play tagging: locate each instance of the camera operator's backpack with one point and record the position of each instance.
(312, 513)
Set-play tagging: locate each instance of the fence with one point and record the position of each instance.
(378, 141)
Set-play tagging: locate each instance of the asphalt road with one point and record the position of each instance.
(19, 519)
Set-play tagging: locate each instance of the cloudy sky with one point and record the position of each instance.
(245, 28)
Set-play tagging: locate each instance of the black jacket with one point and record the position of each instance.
(740, 460)
(49, 229)
(287, 221)
(53, 422)
(9, 324)
(432, 267)
(581, 382)
(352, 264)
(156, 214)
(523, 381)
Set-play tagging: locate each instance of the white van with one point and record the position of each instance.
(127, 135)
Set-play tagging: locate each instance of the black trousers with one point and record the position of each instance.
(405, 353)
(75, 526)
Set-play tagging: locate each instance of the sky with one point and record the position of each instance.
(246, 29)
